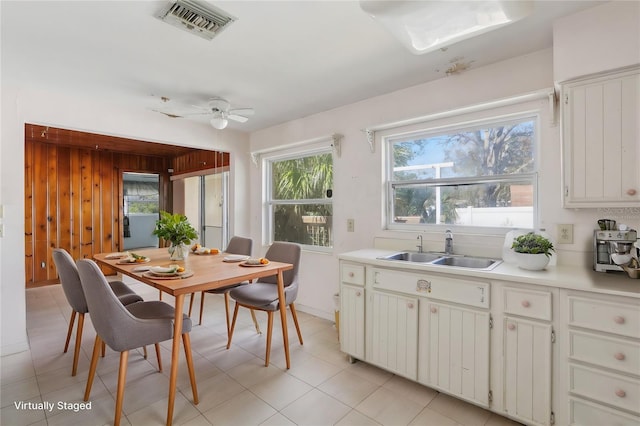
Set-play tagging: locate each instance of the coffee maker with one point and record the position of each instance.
(607, 244)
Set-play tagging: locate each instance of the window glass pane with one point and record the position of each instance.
(308, 224)
(490, 150)
(302, 178)
(495, 204)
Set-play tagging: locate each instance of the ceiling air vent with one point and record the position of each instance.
(197, 17)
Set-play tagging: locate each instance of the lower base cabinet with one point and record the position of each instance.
(458, 351)
(527, 370)
(352, 320)
(394, 333)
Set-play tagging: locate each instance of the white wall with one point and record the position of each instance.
(358, 174)
(22, 104)
(597, 39)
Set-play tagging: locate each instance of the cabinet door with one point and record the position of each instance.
(527, 370)
(601, 141)
(352, 321)
(459, 351)
(394, 333)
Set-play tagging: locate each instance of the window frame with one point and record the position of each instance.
(456, 123)
(269, 203)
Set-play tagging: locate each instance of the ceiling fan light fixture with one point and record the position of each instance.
(219, 122)
(425, 26)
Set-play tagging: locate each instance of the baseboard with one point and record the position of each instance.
(315, 312)
(14, 348)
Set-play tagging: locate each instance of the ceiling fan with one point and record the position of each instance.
(220, 111)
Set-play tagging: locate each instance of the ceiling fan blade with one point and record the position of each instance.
(168, 114)
(238, 118)
(242, 111)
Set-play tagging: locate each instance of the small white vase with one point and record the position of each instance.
(178, 251)
(531, 262)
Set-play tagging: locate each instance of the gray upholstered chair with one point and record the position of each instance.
(262, 295)
(70, 280)
(124, 328)
(237, 245)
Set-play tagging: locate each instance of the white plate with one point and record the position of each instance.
(141, 268)
(116, 255)
(164, 269)
(235, 258)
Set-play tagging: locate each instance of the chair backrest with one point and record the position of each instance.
(240, 245)
(113, 322)
(286, 253)
(70, 280)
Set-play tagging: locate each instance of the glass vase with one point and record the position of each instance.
(178, 251)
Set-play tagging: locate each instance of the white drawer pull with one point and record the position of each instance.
(631, 191)
(619, 356)
(511, 326)
(525, 304)
(621, 393)
(434, 310)
(358, 294)
(619, 320)
(351, 275)
(410, 305)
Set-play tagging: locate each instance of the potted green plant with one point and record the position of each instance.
(532, 251)
(176, 229)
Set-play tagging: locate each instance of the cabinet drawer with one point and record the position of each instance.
(583, 413)
(612, 317)
(604, 351)
(353, 274)
(527, 303)
(612, 389)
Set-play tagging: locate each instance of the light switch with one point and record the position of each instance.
(351, 225)
(565, 234)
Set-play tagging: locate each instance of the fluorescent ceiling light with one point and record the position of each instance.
(425, 26)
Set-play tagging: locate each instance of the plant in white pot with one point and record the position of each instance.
(532, 251)
(176, 229)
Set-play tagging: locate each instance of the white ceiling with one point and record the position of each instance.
(286, 59)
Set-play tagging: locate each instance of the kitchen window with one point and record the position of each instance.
(479, 174)
(299, 207)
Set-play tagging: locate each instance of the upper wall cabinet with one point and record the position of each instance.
(601, 146)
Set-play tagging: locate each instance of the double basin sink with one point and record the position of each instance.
(442, 259)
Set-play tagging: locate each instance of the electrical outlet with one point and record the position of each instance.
(351, 225)
(565, 234)
(1, 230)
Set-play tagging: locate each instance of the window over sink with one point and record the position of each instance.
(478, 173)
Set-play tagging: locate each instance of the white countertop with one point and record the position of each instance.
(567, 277)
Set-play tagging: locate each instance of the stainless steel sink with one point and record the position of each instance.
(468, 262)
(409, 256)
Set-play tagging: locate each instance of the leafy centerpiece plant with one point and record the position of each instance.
(533, 251)
(176, 229)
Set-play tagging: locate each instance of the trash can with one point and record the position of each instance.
(336, 303)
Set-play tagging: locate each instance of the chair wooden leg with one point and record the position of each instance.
(92, 367)
(233, 325)
(186, 342)
(122, 379)
(191, 303)
(104, 349)
(202, 306)
(160, 297)
(269, 330)
(158, 357)
(295, 321)
(144, 352)
(76, 352)
(226, 311)
(72, 321)
(255, 322)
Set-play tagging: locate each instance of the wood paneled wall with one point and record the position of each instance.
(198, 160)
(73, 200)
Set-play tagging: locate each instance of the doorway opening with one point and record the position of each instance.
(141, 207)
(206, 199)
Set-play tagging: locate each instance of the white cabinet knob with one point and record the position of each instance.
(631, 191)
(434, 310)
(358, 293)
(511, 327)
(620, 393)
(525, 304)
(410, 305)
(619, 320)
(619, 356)
(351, 274)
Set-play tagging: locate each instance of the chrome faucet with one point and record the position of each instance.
(448, 242)
(419, 245)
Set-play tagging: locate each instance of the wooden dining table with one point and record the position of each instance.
(209, 271)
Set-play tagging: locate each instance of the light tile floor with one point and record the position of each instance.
(235, 388)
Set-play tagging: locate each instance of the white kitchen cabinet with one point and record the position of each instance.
(601, 140)
(458, 351)
(601, 359)
(393, 341)
(352, 310)
(527, 370)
